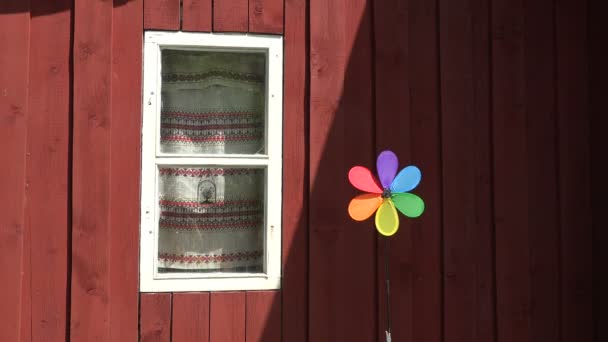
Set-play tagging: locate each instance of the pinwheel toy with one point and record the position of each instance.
(385, 197)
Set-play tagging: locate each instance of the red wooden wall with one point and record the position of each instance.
(499, 102)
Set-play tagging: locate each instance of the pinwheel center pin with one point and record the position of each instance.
(386, 193)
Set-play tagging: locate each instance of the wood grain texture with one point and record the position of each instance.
(227, 322)
(425, 152)
(90, 296)
(598, 73)
(162, 15)
(263, 316)
(125, 170)
(190, 319)
(542, 169)
(406, 91)
(393, 109)
(512, 206)
(230, 15)
(266, 16)
(197, 15)
(294, 289)
(574, 172)
(14, 32)
(155, 317)
(468, 249)
(342, 252)
(47, 173)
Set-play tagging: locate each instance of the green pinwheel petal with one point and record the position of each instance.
(387, 221)
(408, 204)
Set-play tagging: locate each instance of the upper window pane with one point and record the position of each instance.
(213, 102)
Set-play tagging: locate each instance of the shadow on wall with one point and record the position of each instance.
(340, 268)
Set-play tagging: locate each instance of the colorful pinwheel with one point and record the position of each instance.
(390, 193)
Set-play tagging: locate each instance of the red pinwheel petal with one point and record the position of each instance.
(363, 179)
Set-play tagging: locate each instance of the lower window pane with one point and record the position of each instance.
(211, 219)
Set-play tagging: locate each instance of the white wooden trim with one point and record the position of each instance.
(211, 284)
(150, 280)
(148, 169)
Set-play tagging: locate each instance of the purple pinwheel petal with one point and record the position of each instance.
(387, 164)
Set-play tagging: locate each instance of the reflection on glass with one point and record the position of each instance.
(211, 219)
(213, 102)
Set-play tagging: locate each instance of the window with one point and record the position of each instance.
(211, 162)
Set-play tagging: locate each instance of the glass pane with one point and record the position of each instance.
(213, 102)
(211, 219)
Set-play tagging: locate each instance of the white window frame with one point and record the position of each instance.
(150, 279)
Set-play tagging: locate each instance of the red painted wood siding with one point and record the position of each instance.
(48, 165)
(105, 170)
(14, 246)
(598, 73)
(499, 102)
(266, 16)
(197, 15)
(294, 288)
(190, 317)
(162, 15)
(155, 318)
(468, 248)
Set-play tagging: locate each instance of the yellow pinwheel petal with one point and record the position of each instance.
(387, 221)
(363, 206)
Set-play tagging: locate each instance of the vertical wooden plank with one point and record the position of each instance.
(393, 109)
(162, 15)
(230, 15)
(48, 166)
(263, 316)
(598, 73)
(512, 205)
(266, 16)
(124, 173)
(294, 290)
(407, 97)
(14, 33)
(468, 248)
(426, 153)
(227, 321)
(91, 171)
(542, 171)
(342, 259)
(197, 15)
(574, 172)
(190, 319)
(155, 317)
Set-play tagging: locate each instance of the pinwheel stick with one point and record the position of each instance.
(388, 289)
(384, 196)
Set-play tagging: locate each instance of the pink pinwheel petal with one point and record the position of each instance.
(387, 164)
(363, 179)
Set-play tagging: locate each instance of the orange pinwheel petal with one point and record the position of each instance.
(363, 179)
(364, 206)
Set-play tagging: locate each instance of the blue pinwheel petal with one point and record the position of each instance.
(387, 164)
(407, 179)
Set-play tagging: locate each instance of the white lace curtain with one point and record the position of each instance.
(211, 218)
